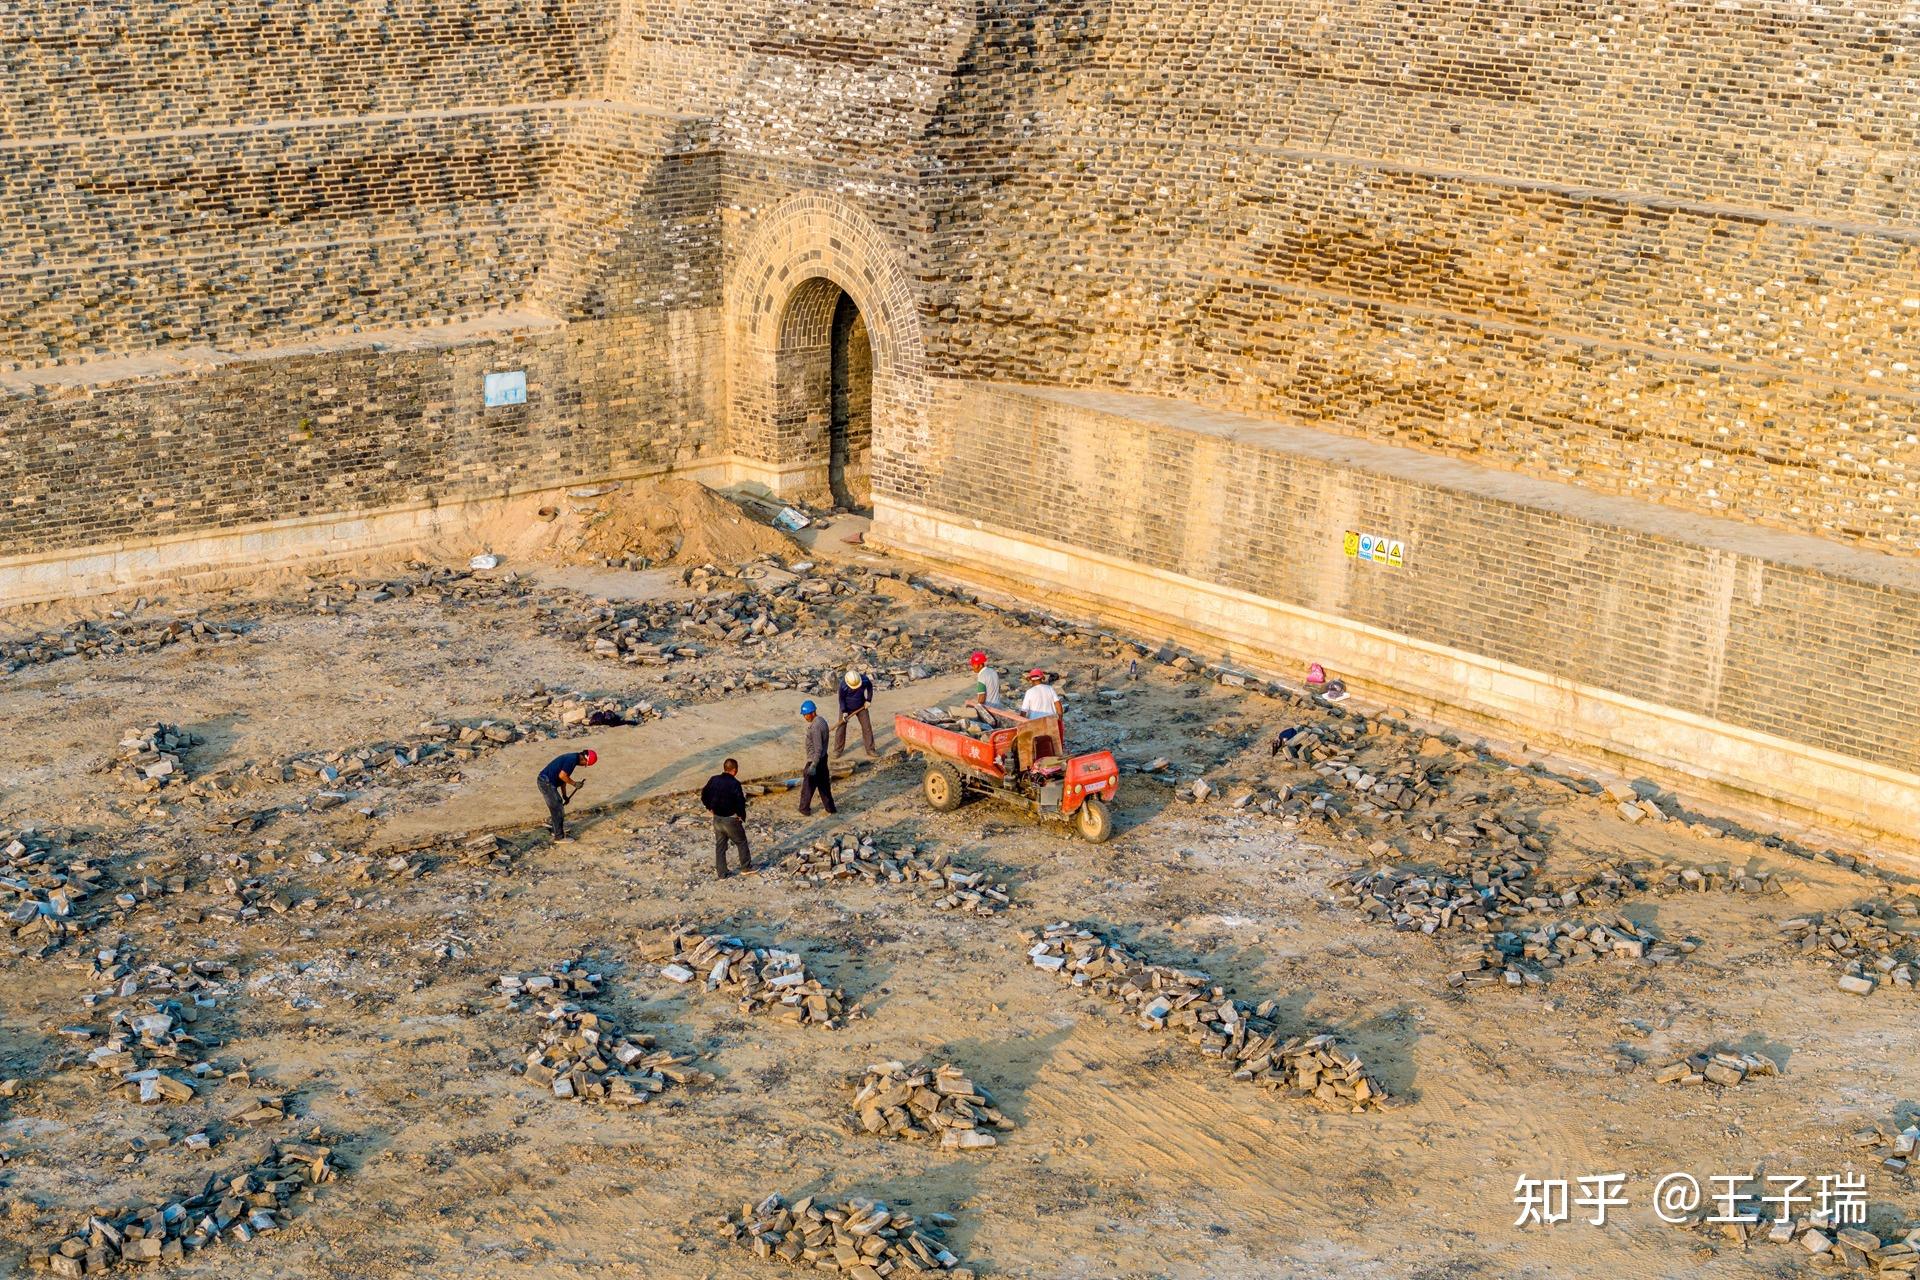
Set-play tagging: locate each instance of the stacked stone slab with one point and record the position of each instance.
(858, 857)
(1244, 1042)
(231, 1208)
(765, 980)
(927, 1103)
(862, 1239)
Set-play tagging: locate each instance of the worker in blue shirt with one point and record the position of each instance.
(557, 786)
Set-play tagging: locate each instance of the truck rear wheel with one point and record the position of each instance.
(1094, 821)
(942, 786)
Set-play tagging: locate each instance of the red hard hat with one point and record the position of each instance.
(1036, 674)
(588, 757)
(979, 658)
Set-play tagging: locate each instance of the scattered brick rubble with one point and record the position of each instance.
(152, 755)
(1896, 1142)
(1434, 902)
(1826, 1245)
(863, 1239)
(764, 979)
(856, 857)
(113, 638)
(230, 1207)
(447, 739)
(1244, 1040)
(581, 1054)
(748, 608)
(1866, 940)
(51, 893)
(412, 861)
(1399, 784)
(568, 978)
(1527, 958)
(923, 1103)
(1725, 1068)
(572, 709)
(150, 1044)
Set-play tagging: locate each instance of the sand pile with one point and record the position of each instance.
(674, 522)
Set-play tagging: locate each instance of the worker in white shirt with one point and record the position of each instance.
(1039, 699)
(985, 702)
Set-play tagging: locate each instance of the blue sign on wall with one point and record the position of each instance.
(506, 388)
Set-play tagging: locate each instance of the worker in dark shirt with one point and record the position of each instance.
(557, 787)
(727, 802)
(856, 695)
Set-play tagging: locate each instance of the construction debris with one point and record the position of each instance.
(230, 1207)
(53, 894)
(863, 1239)
(1723, 1067)
(923, 1103)
(571, 709)
(1528, 958)
(1827, 1245)
(1327, 749)
(150, 1046)
(104, 639)
(582, 1055)
(1241, 1039)
(565, 980)
(152, 755)
(856, 857)
(1867, 941)
(764, 979)
(1897, 1144)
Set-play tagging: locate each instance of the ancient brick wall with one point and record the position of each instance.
(173, 174)
(1820, 656)
(375, 204)
(1661, 251)
(254, 441)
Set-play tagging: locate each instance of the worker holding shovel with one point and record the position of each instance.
(557, 788)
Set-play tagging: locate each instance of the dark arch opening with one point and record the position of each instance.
(850, 406)
(825, 394)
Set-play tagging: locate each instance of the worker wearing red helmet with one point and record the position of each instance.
(1040, 699)
(986, 693)
(557, 787)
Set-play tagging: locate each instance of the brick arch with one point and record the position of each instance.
(796, 260)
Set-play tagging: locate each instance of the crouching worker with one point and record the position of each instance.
(557, 786)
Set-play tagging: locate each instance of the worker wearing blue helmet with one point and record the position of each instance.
(814, 775)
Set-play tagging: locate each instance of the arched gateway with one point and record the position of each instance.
(826, 365)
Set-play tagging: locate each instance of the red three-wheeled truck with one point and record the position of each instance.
(1017, 759)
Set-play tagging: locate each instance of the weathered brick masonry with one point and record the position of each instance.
(1822, 651)
(257, 258)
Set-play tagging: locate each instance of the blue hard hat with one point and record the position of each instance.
(807, 708)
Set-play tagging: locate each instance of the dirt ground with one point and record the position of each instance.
(361, 959)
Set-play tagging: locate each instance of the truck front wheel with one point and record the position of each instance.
(1094, 820)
